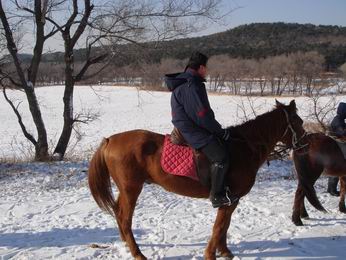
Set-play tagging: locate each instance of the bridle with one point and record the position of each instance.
(295, 139)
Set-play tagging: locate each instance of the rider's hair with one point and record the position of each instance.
(197, 59)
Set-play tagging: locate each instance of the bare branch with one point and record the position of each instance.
(19, 117)
(11, 46)
(321, 111)
(51, 33)
(84, 22)
(86, 117)
(87, 64)
(6, 75)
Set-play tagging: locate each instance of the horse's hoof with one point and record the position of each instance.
(304, 215)
(342, 209)
(209, 257)
(227, 255)
(298, 223)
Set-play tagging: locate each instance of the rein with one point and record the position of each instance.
(295, 139)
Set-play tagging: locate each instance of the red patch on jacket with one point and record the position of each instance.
(178, 159)
(202, 112)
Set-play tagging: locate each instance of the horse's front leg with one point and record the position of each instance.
(342, 206)
(223, 249)
(218, 239)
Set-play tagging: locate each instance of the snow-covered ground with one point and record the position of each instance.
(46, 210)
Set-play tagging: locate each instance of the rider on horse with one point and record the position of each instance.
(194, 118)
(338, 129)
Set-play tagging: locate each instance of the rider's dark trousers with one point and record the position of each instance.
(218, 155)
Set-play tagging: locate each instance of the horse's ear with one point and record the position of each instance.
(293, 105)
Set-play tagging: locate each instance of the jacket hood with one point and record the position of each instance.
(177, 79)
(342, 110)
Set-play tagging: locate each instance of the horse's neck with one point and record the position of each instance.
(263, 133)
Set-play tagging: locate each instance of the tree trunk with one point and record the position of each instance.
(70, 80)
(41, 148)
(65, 136)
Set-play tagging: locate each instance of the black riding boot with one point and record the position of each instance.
(332, 186)
(219, 196)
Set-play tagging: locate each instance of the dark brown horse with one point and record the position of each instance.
(133, 158)
(319, 154)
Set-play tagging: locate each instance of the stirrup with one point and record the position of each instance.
(226, 200)
(230, 197)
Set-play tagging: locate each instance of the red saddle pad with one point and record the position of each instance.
(178, 159)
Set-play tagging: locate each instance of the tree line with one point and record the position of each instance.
(300, 73)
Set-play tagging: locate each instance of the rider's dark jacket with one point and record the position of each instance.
(338, 126)
(191, 111)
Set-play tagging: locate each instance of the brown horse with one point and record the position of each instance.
(133, 158)
(320, 154)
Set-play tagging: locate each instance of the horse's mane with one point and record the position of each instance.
(257, 127)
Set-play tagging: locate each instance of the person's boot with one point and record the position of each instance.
(219, 196)
(332, 186)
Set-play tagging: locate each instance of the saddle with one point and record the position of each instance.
(201, 162)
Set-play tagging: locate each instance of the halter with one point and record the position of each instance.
(295, 140)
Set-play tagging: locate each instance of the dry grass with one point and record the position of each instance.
(313, 127)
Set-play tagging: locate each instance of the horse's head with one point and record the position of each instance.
(293, 131)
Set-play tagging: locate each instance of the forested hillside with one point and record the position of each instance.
(253, 41)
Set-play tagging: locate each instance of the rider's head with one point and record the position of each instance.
(198, 62)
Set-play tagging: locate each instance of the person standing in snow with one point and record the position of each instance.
(338, 129)
(195, 120)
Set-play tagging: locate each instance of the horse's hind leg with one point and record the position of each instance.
(298, 205)
(303, 212)
(126, 205)
(342, 206)
(117, 217)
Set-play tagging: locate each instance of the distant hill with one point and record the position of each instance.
(261, 40)
(257, 40)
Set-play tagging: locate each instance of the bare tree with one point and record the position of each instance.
(102, 27)
(340, 81)
(248, 104)
(237, 71)
(305, 68)
(311, 69)
(321, 110)
(218, 72)
(260, 73)
(27, 82)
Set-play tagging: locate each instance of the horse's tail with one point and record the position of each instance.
(306, 182)
(100, 182)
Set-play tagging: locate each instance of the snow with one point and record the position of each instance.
(46, 209)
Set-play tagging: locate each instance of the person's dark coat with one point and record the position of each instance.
(191, 111)
(338, 126)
